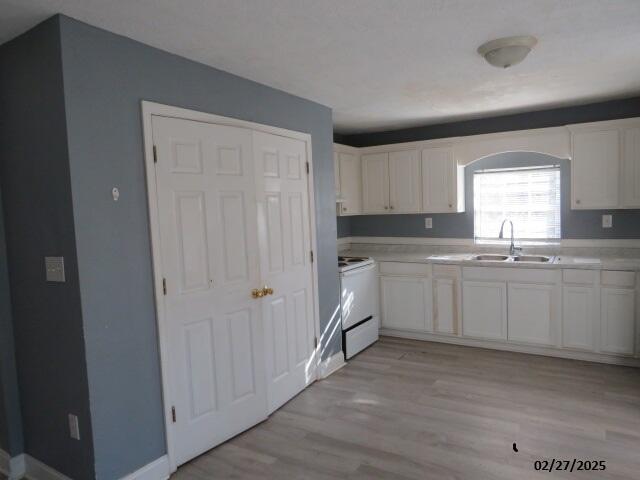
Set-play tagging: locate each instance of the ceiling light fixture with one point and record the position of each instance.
(508, 51)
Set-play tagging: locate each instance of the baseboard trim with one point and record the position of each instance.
(331, 365)
(496, 345)
(13, 467)
(157, 470)
(37, 470)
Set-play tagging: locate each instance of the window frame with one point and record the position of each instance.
(520, 240)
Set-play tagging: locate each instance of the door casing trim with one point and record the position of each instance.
(149, 110)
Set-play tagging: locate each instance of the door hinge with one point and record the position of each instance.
(173, 414)
(315, 343)
(155, 154)
(307, 168)
(164, 286)
(311, 255)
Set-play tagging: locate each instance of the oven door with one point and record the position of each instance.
(359, 295)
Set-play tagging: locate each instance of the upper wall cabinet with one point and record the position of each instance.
(391, 182)
(595, 168)
(348, 180)
(442, 181)
(605, 165)
(631, 167)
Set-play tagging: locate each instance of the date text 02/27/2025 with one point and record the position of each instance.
(574, 465)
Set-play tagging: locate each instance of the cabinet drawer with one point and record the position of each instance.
(401, 268)
(579, 277)
(524, 275)
(618, 279)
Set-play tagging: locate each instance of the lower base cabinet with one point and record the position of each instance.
(532, 313)
(445, 306)
(484, 309)
(617, 332)
(579, 317)
(406, 303)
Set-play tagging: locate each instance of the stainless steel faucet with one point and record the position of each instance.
(512, 247)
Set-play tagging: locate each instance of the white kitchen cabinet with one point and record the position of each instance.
(404, 182)
(617, 328)
(595, 167)
(445, 309)
(631, 168)
(406, 303)
(336, 173)
(579, 316)
(442, 181)
(484, 309)
(446, 299)
(375, 183)
(532, 313)
(350, 182)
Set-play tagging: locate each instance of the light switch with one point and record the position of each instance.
(607, 221)
(74, 427)
(55, 269)
(428, 223)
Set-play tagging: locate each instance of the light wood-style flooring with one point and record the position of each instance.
(407, 409)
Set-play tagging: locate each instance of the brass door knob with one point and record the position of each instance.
(261, 292)
(257, 293)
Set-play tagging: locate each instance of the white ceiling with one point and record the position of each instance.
(384, 64)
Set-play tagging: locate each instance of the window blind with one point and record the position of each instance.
(529, 197)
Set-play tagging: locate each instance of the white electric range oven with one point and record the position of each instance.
(359, 302)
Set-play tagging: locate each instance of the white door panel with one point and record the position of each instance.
(531, 313)
(375, 183)
(285, 246)
(209, 244)
(484, 309)
(404, 182)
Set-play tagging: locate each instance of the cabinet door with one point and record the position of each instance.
(484, 309)
(531, 313)
(445, 310)
(595, 169)
(375, 183)
(617, 332)
(631, 168)
(406, 303)
(350, 183)
(578, 317)
(404, 182)
(439, 182)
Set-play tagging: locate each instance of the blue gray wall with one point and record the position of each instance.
(11, 440)
(36, 193)
(593, 112)
(576, 224)
(105, 78)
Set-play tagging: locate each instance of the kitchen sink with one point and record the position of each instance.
(532, 258)
(492, 258)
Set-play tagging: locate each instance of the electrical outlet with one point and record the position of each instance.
(428, 223)
(74, 427)
(607, 221)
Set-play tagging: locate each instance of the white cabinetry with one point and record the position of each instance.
(532, 313)
(391, 182)
(446, 299)
(595, 168)
(375, 183)
(618, 318)
(404, 182)
(348, 180)
(406, 295)
(631, 168)
(484, 309)
(442, 181)
(580, 309)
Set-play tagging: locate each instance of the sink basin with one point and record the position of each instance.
(491, 257)
(532, 258)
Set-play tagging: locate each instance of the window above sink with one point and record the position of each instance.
(528, 196)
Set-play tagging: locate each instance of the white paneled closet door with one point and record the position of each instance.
(285, 248)
(209, 246)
